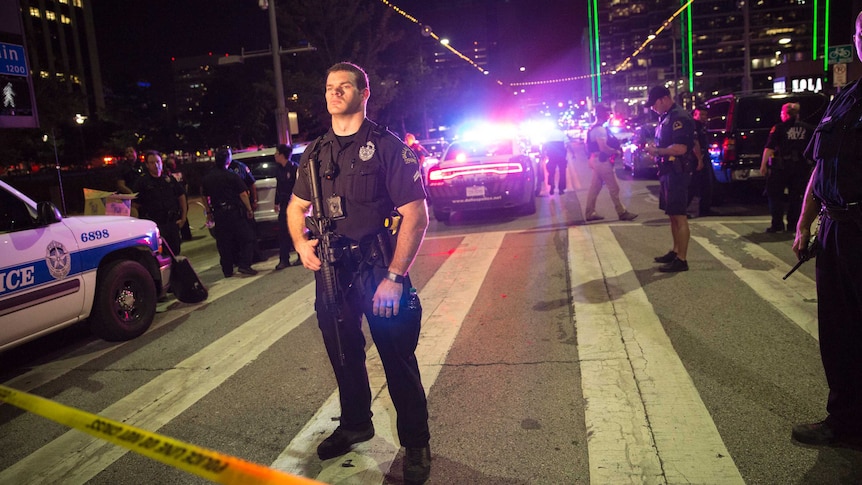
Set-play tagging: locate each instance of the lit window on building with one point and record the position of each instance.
(78, 3)
(65, 20)
(64, 2)
(34, 12)
(50, 15)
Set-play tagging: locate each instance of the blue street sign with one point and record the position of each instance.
(13, 62)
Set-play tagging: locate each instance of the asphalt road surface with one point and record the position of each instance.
(552, 352)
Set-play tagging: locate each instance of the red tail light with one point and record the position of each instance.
(438, 175)
(728, 149)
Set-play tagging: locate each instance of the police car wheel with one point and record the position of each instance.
(125, 302)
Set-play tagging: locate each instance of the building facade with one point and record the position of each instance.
(706, 48)
(61, 42)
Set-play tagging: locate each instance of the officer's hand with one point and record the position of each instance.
(800, 243)
(307, 251)
(387, 299)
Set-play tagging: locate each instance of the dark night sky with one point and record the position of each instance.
(136, 38)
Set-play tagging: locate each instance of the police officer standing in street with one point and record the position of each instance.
(835, 187)
(366, 173)
(785, 167)
(674, 142)
(227, 204)
(285, 179)
(162, 200)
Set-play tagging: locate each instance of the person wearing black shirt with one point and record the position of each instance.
(162, 200)
(227, 204)
(284, 182)
(366, 174)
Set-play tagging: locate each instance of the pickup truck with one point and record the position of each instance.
(56, 271)
(738, 126)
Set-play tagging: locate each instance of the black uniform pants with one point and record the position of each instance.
(555, 164)
(170, 232)
(285, 244)
(234, 239)
(794, 181)
(839, 311)
(396, 339)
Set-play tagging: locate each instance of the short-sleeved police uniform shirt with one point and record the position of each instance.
(788, 139)
(373, 172)
(676, 128)
(837, 149)
(158, 196)
(223, 187)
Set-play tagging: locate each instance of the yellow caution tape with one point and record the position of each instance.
(212, 465)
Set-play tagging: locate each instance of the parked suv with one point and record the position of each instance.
(263, 167)
(738, 125)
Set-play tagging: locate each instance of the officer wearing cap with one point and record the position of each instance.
(835, 187)
(674, 142)
(366, 172)
(227, 204)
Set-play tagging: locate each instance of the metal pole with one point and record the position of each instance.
(280, 110)
(746, 36)
(59, 175)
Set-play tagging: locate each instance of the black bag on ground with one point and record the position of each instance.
(185, 282)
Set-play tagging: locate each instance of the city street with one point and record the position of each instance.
(552, 352)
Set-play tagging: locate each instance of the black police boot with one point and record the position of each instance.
(340, 441)
(417, 465)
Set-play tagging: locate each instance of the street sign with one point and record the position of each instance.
(12, 60)
(839, 75)
(840, 54)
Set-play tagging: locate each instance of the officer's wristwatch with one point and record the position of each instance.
(394, 277)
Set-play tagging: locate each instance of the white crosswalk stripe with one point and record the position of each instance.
(645, 420)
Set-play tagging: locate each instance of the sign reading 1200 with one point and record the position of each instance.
(12, 60)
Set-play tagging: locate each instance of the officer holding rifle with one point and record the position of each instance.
(835, 191)
(359, 173)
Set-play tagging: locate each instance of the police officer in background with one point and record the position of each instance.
(248, 179)
(162, 200)
(785, 167)
(131, 169)
(366, 173)
(702, 175)
(674, 142)
(227, 204)
(285, 179)
(835, 186)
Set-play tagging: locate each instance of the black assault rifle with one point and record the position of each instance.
(321, 228)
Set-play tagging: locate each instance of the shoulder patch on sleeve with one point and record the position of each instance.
(408, 155)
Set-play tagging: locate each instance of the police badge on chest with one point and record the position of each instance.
(336, 207)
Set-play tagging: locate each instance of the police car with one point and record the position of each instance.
(55, 271)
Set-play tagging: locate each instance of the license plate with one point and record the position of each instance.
(476, 191)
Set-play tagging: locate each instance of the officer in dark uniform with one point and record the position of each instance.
(248, 179)
(285, 179)
(785, 167)
(674, 142)
(131, 169)
(162, 200)
(366, 173)
(227, 204)
(836, 188)
(702, 176)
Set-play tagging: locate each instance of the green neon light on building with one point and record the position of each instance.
(595, 57)
(688, 57)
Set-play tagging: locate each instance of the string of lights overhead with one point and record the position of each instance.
(428, 32)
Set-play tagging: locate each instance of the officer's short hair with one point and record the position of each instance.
(358, 74)
(222, 157)
(283, 149)
(791, 109)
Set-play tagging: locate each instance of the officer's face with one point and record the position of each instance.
(342, 95)
(154, 165)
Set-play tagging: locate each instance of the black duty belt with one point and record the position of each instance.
(849, 212)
